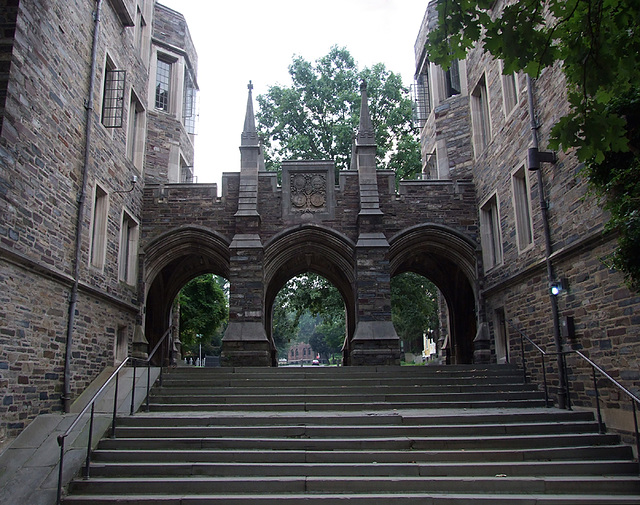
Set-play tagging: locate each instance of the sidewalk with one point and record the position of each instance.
(29, 464)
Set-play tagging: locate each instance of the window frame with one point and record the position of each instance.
(491, 233)
(136, 126)
(480, 116)
(99, 225)
(168, 78)
(128, 249)
(113, 91)
(510, 92)
(523, 216)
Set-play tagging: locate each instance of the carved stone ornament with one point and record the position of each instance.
(308, 192)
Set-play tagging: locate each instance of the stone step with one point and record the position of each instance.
(423, 469)
(374, 435)
(401, 498)
(260, 389)
(585, 453)
(352, 372)
(380, 396)
(355, 431)
(378, 443)
(624, 485)
(338, 405)
(439, 417)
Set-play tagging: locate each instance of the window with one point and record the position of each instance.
(186, 171)
(522, 206)
(135, 131)
(452, 80)
(140, 31)
(128, 249)
(421, 104)
(490, 231)
(122, 344)
(509, 93)
(99, 228)
(113, 95)
(480, 118)
(163, 84)
(189, 103)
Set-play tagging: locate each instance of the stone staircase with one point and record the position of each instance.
(386, 435)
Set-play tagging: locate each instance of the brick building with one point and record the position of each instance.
(300, 353)
(476, 126)
(96, 97)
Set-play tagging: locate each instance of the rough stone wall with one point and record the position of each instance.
(41, 160)
(603, 308)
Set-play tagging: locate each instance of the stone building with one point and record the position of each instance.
(476, 125)
(88, 115)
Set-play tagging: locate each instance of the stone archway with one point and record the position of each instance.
(172, 260)
(448, 259)
(310, 248)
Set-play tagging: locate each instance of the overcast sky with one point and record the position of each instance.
(255, 40)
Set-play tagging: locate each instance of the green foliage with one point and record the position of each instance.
(203, 312)
(309, 309)
(616, 180)
(317, 116)
(414, 308)
(597, 45)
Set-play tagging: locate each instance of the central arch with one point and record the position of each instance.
(448, 259)
(310, 248)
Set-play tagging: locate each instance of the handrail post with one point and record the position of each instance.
(59, 492)
(89, 437)
(524, 362)
(565, 375)
(635, 424)
(148, 383)
(595, 386)
(544, 381)
(133, 389)
(115, 407)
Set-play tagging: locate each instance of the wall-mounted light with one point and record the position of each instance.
(559, 286)
(535, 157)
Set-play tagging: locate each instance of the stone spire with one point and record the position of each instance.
(364, 157)
(249, 133)
(249, 163)
(366, 134)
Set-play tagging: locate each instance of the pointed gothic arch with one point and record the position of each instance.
(170, 261)
(448, 259)
(310, 248)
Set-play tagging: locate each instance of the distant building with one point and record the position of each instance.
(301, 353)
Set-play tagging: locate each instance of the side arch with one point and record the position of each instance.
(449, 260)
(310, 248)
(169, 262)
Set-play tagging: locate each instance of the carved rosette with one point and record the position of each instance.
(308, 192)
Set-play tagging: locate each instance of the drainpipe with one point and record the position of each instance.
(73, 297)
(562, 390)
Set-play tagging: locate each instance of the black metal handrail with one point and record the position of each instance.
(635, 400)
(542, 352)
(91, 404)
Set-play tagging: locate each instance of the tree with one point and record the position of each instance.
(203, 312)
(317, 116)
(414, 308)
(597, 45)
(312, 302)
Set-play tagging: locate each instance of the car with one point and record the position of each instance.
(315, 362)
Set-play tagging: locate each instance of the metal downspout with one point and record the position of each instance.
(73, 297)
(562, 396)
